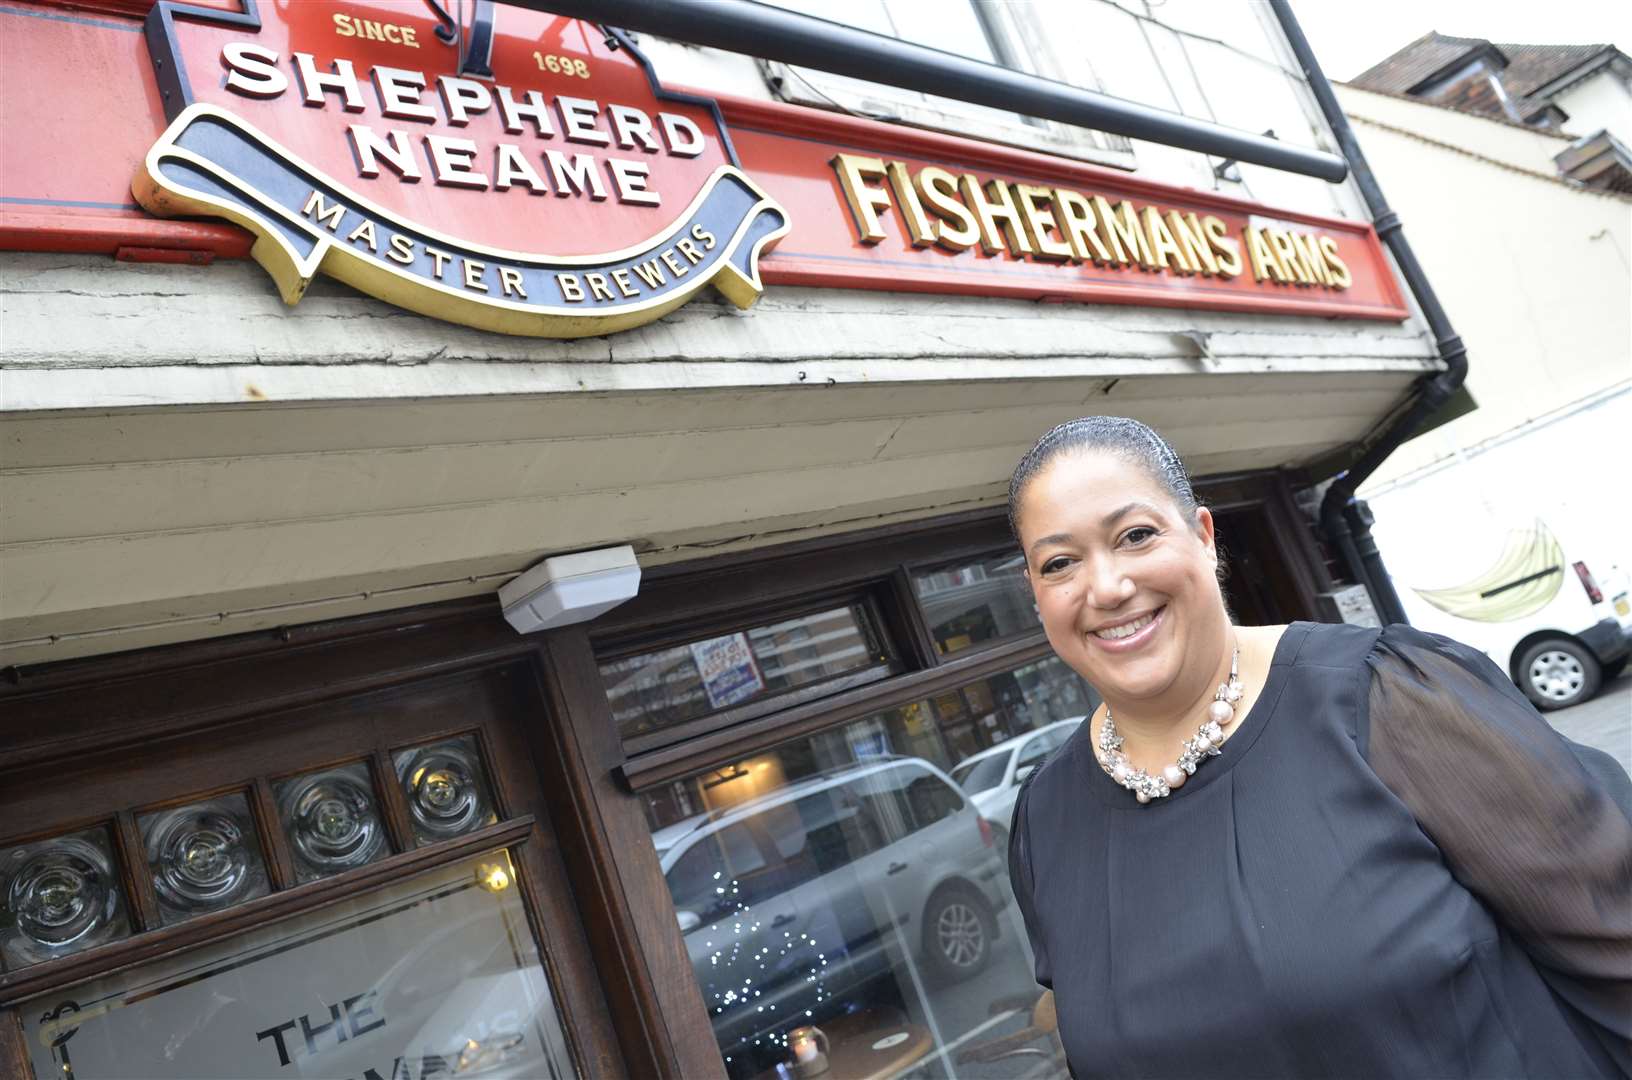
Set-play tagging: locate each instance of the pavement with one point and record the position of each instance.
(1604, 722)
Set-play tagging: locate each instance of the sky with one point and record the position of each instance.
(1349, 36)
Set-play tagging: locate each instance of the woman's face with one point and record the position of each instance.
(1125, 583)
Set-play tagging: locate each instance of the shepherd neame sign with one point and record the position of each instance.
(565, 196)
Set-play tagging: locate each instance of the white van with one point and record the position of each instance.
(1558, 621)
(1518, 545)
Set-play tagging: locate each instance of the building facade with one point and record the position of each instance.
(398, 305)
(1546, 316)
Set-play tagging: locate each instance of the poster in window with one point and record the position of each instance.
(728, 669)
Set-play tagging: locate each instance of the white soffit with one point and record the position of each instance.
(213, 467)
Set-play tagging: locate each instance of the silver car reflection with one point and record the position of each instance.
(792, 899)
(992, 778)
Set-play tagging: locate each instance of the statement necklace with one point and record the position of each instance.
(1204, 745)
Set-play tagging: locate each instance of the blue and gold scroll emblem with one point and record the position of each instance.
(210, 162)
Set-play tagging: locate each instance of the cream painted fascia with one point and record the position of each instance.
(185, 457)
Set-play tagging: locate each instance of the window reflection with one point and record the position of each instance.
(670, 686)
(433, 976)
(846, 882)
(974, 601)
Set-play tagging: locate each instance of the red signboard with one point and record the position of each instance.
(795, 153)
(530, 184)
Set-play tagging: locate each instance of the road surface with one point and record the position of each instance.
(1604, 722)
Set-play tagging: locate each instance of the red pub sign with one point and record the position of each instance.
(529, 174)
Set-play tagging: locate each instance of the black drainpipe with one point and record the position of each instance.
(1345, 521)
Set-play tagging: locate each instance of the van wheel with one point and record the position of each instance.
(1558, 673)
(958, 931)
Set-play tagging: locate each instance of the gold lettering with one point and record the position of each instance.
(939, 190)
(1076, 217)
(510, 280)
(865, 201)
(1282, 244)
(598, 287)
(919, 227)
(1192, 241)
(1224, 246)
(371, 30)
(1000, 225)
(1265, 265)
(1121, 228)
(1162, 244)
(342, 26)
(1335, 266)
(1041, 228)
(393, 34)
(620, 278)
(571, 291)
(408, 38)
(1308, 250)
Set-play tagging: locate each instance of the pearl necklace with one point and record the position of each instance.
(1206, 743)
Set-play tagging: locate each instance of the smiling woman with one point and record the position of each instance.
(1346, 890)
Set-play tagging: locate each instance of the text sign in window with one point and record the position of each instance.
(436, 976)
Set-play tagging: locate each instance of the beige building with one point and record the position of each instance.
(1472, 145)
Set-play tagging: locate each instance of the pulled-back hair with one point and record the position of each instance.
(1129, 439)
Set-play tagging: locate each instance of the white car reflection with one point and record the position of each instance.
(992, 778)
(791, 900)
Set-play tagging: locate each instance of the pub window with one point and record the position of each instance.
(992, 32)
(655, 695)
(344, 892)
(975, 601)
(843, 880)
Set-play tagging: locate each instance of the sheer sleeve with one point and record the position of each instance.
(1023, 883)
(1527, 823)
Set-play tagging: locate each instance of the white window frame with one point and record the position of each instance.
(1018, 42)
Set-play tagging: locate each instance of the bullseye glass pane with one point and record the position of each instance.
(203, 856)
(332, 821)
(446, 789)
(57, 897)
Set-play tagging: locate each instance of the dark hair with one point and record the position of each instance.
(1129, 439)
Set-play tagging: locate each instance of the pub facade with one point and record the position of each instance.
(326, 321)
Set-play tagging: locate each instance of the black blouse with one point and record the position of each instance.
(1396, 868)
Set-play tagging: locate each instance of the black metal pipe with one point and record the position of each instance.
(1359, 518)
(773, 33)
(1432, 392)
